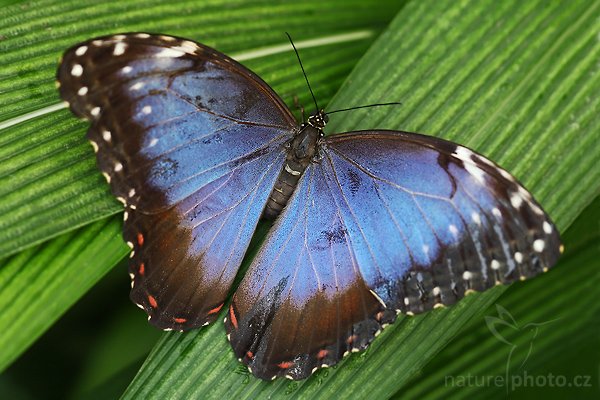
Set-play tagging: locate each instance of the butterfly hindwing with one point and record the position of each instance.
(297, 306)
(191, 142)
(384, 222)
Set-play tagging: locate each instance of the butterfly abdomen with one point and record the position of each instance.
(301, 152)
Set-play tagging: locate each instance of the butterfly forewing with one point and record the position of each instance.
(456, 220)
(384, 222)
(191, 142)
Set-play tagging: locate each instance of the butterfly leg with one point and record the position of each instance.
(300, 107)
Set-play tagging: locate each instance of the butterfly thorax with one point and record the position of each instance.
(301, 151)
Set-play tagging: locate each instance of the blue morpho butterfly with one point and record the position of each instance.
(367, 224)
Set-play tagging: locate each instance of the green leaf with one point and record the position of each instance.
(516, 81)
(38, 285)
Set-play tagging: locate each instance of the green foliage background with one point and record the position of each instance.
(516, 81)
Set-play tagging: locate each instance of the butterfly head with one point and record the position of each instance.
(305, 143)
(318, 120)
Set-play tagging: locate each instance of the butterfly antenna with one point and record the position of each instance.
(367, 106)
(304, 72)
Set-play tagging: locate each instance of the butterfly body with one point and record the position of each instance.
(301, 151)
(367, 224)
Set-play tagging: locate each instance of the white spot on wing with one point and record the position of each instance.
(506, 175)
(496, 212)
(463, 154)
(147, 110)
(142, 35)
(106, 135)
(170, 52)
(547, 227)
(81, 50)
(131, 193)
(538, 245)
(77, 70)
(524, 193)
(94, 145)
(153, 142)
(467, 275)
(536, 209)
(82, 91)
(118, 167)
(119, 49)
(95, 111)
(495, 265)
(518, 257)
(516, 200)
(476, 218)
(137, 86)
(468, 159)
(476, 172)
(188, 46)
(126, 69)
(453, 230)
(436, 291)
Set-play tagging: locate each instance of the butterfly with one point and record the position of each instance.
(367, 224)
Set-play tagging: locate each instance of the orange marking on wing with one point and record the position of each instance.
(152, 301)
(379, 315)
(142, 269)
(249, 355)
(180, 320)
(285, 364)
(140, 239)
(322, 353)
(232, 317)
(216, 309)
(351, 339)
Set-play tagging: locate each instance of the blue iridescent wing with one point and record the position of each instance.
(386, 222)
(191, 142)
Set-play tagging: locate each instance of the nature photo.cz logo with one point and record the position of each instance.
(519, 341)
